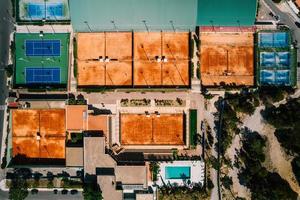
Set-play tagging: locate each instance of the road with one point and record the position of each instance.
(46, 196)
(287, 19)
(5, 30)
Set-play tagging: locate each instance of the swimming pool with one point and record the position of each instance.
(178, 172)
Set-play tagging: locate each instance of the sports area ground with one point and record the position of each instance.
(173, 47)
(34, 51)
(39, 133)
(227, 58)
(93, 48)
(140, 49)
(139, 129)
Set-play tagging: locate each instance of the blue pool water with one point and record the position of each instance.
(178, 172)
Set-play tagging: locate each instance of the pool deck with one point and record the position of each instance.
(197, 172)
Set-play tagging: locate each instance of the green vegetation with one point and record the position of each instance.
(193, 127)
(171, 193)
(91, 191)
(18, 189)
(243, 103)
(154, 168)
(77, 138)
(286, 119)
(9, 70)
(262, 183)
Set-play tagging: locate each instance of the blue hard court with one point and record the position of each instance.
(36, 10)
(42, 47)
(42, 75)
(54, 10)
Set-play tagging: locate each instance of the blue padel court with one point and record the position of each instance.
(279, 77)
(39, 11)
(42, 47)
(42, 75)
(275, 59)
(276, 40)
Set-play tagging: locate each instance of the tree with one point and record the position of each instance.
(18, 189)
(91, 191)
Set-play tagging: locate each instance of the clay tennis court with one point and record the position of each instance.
(118, 45)
(147, 73)
(147, 45)
(227, 58)
(90, 45)
(175, 73)
(52, 123)
(25, 123)
(176, 45)
(52, 148)
(138, 129)
(90, 73)
(118, 73)
(43, 129)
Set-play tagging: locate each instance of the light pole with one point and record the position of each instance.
(212, 24)
(114, 24)
(87, 24)
(144, 21)
(172, 24)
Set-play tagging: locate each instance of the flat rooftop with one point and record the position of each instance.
(227, 58)
(139, 129)
(39, 133)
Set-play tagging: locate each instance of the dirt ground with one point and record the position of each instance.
(227, 57)
(119, 45)
(118, 73)
(138, 129)
(25, 123)
(74, 117)
(175, 73)
(90, 45)
(176, 46)
(90, 73)
(98, 122)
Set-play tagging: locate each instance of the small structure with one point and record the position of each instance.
(181, 173)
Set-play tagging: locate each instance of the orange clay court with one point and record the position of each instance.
(172, 46)
(117, 47)
(138, 129)
(227, 58)
(49, 143)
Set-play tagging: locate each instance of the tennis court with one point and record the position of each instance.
(273, 39)
(42, 75)
(90, 73)
(90, 46)
(175, 73)
(147, 73)
(139, 129)
(42, 61)
(227, 58)
(272, 77)
(39, 133)
(267, 59)
(118, 73)
(176, 45)
(42, 47)
(37, 10)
